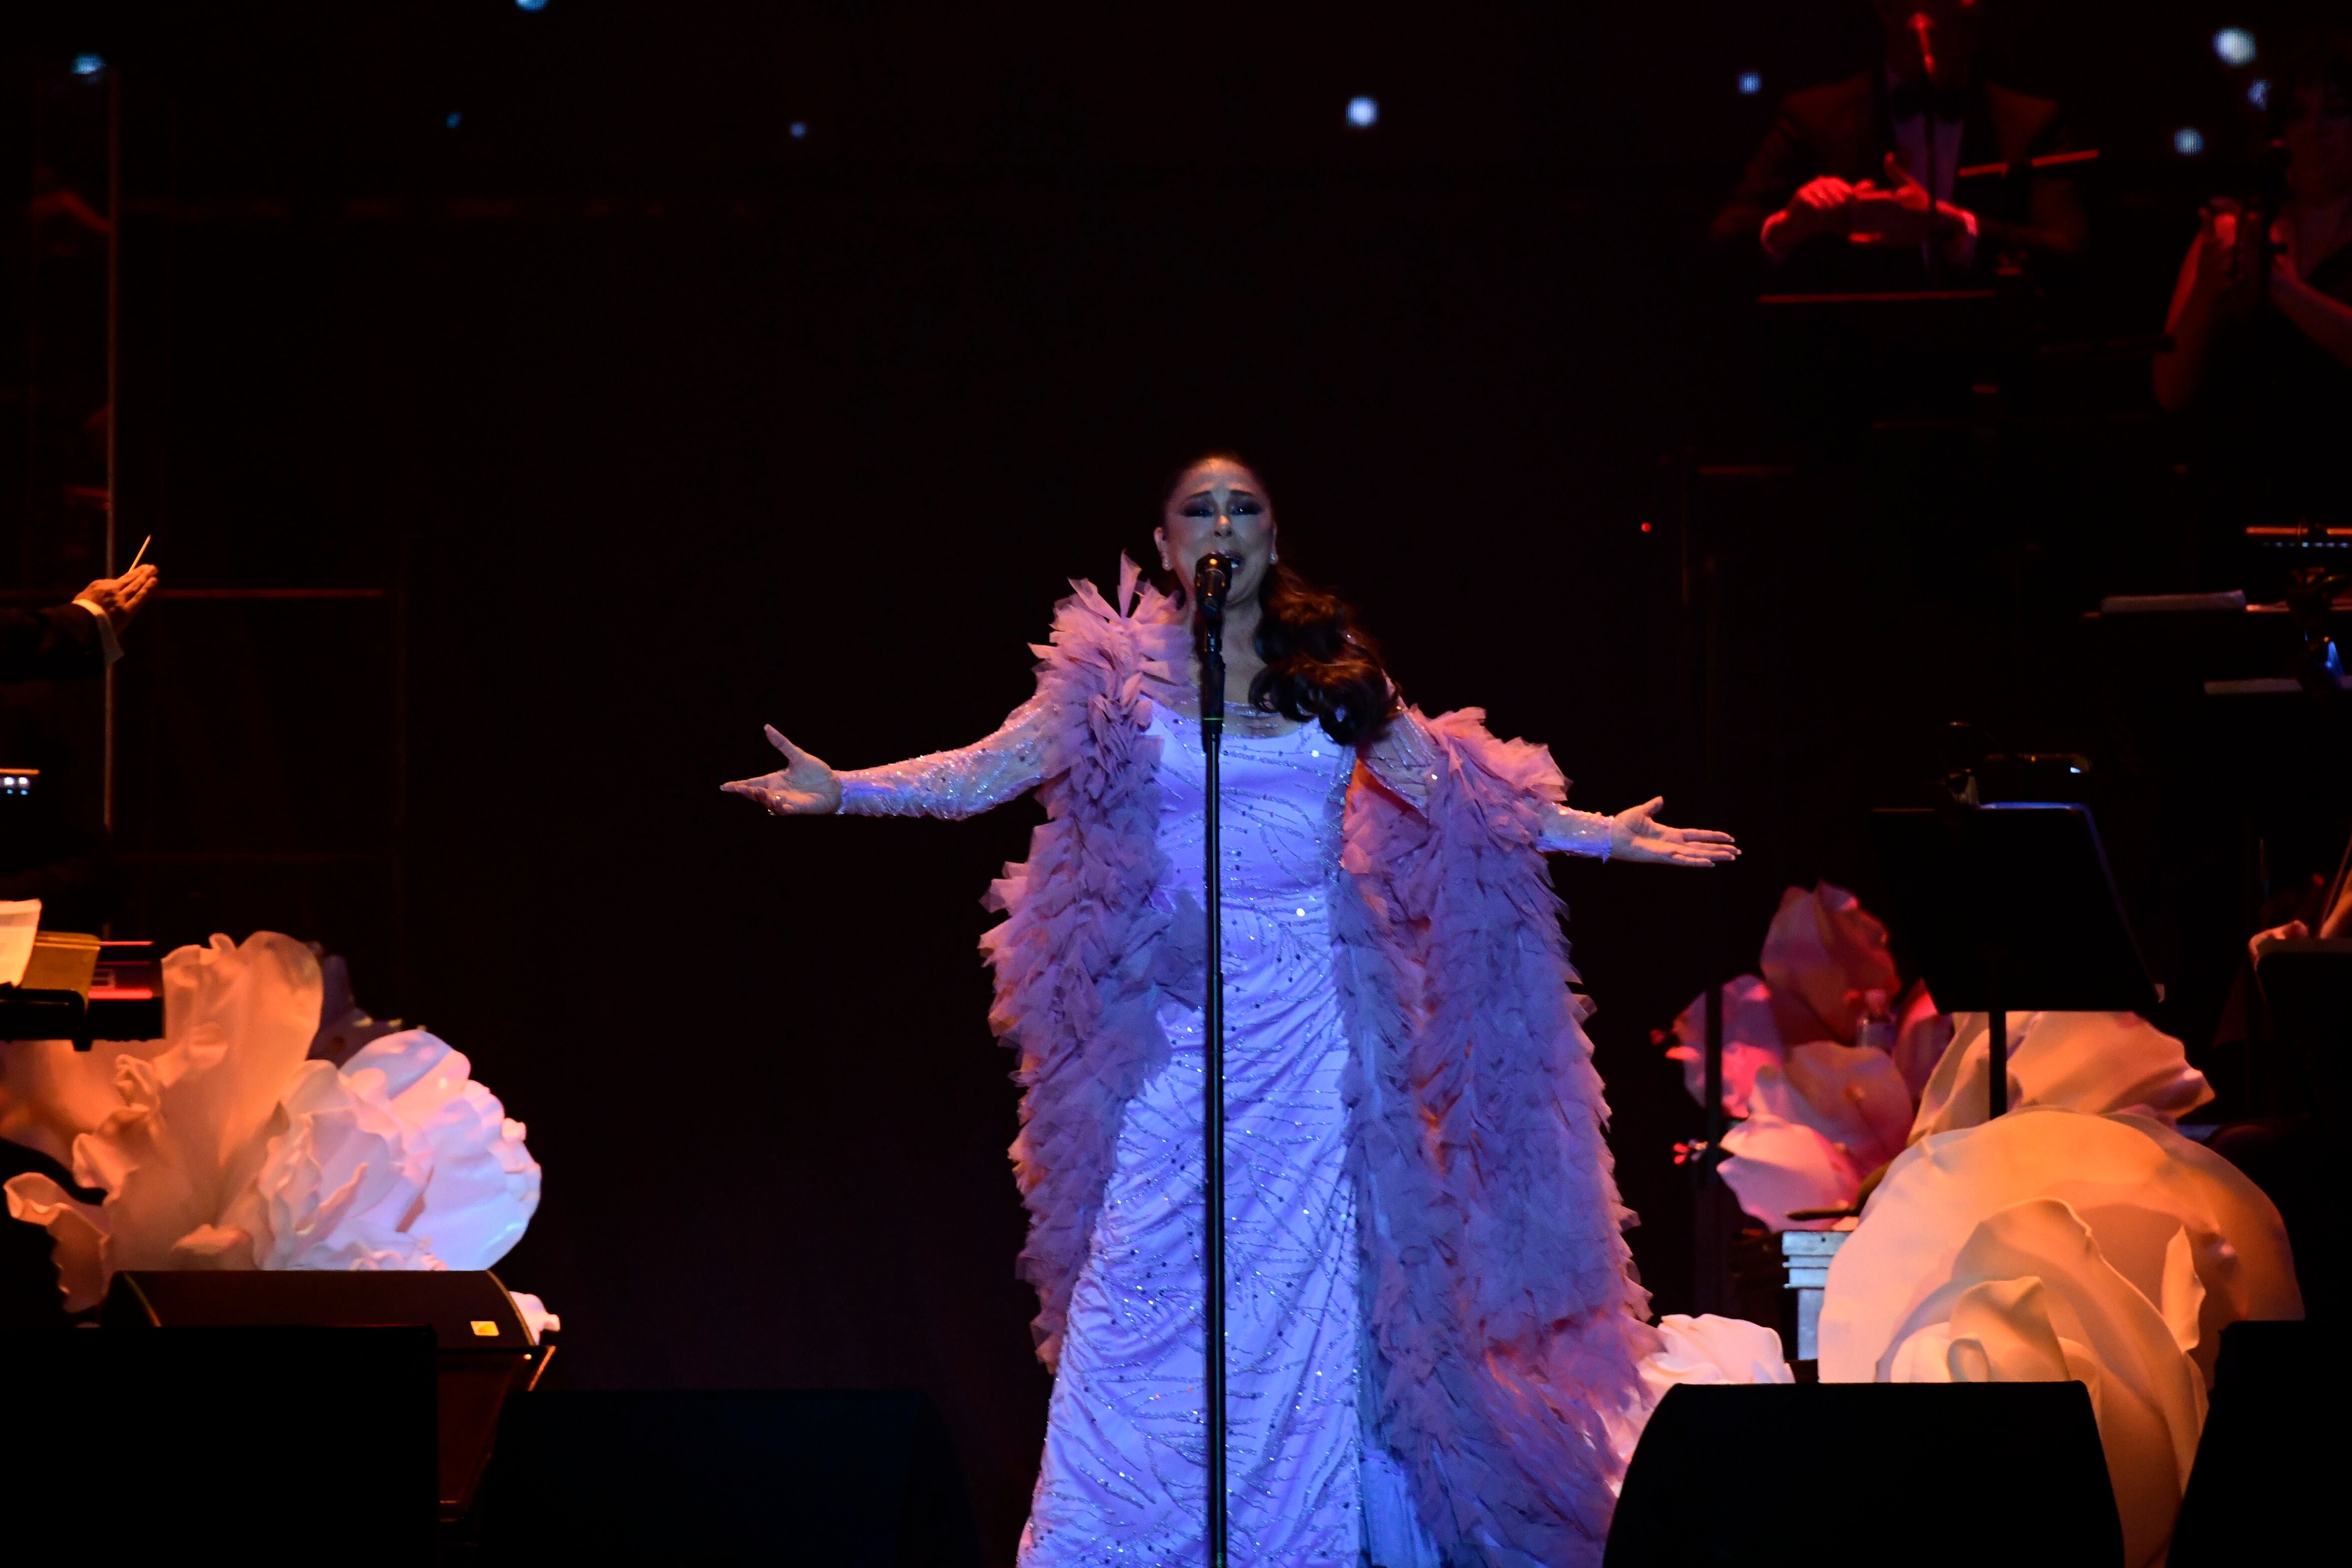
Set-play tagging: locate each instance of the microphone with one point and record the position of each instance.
(1923, 27)
(1212, 580)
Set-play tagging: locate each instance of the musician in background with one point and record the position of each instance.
(1856, 186)
(42, 853)
(81, 638)
(2262, 332)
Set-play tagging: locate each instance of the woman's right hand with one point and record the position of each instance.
(2229, 259)
(805, 786)
(1819, 207)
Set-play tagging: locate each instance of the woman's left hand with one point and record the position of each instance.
(1636, 834)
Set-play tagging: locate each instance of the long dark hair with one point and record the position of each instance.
(1318, 664)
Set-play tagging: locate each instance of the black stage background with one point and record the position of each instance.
(654, 421)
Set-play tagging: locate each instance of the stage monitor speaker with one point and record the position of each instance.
(844, 1479)
(229, 1444)
(1917, 1473)
(2262, 1489)
(482, 1350)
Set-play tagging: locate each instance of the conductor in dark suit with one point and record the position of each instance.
(1855, 185)
(81, 638)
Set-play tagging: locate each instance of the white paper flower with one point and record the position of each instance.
(2031, 1298)
(1703, 1349)
(481, 1186)
(537, 1321)
(178, 1154)
(341, 1182)
(1819, 1123)
(2084, 1061)
(2145, 1246)
(1777, 1165)
(51, 1093)
(228, 1150)
(2133, 1180)
(1710, 1349)
(1850, 1095)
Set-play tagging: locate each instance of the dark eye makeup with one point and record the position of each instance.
(1244, 507)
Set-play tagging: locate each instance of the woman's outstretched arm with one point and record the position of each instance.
(1633, 834)
(959, 783)
(1405, 759)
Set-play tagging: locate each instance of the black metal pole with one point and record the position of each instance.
(1212, 729)
(1713, 1211)
(1715, 1120)
(1996, 1045)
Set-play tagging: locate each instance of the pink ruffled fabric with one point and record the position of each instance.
(1076, 994)
(1505, 1322)
(1504, 1313)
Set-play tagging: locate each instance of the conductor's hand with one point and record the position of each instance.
(120, 597)
(1901, 212)
(1637, 835)
(2229, 258)
(804, 787)
(1819, 207)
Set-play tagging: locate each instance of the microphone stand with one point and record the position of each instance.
(1210, 585)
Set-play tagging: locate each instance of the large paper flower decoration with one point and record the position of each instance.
(2085, 1061)
(2056, 1244)
(1820, 1122)
(226, 1149)
(1823, 955)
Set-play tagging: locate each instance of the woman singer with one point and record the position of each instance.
(1432, 1323)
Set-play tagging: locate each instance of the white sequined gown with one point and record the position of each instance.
(1123, 1477)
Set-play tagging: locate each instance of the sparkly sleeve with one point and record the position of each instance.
(1568, 832)
(960, 783)
(1405, 759)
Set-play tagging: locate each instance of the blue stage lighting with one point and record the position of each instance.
(2258, 93)
(88, 64)
(531, 5)
(2188, 141)
(453, 118)
(2235, 46)
(1751, 84)
(1363, 113)
(799, 129)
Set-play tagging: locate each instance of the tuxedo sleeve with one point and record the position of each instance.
(2051, 218)
(1786, 160)
(54, 644)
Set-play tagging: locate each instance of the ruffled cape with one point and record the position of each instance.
(1503, 1320)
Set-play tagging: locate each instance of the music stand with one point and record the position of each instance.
(2010, 907)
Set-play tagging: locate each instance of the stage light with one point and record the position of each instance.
(453, 118)
(531, 5)
(88, 64)
(1363, 113)
(2188, 141)
(2258, 93)
(2235, 46)
(799, 129)
(1751, 84)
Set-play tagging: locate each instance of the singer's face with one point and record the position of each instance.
(1218, 506)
